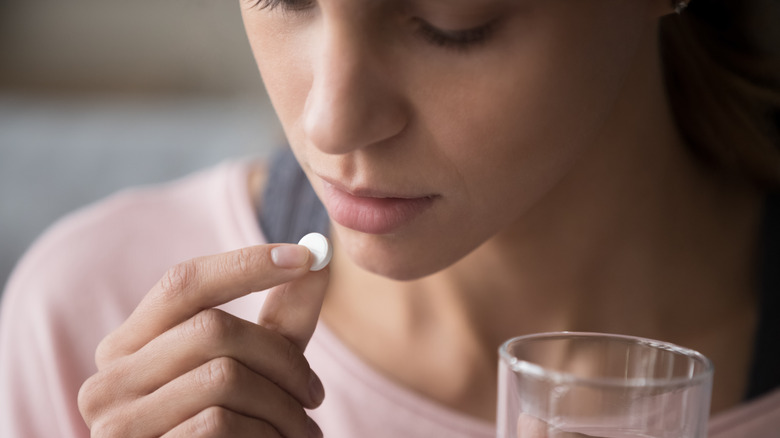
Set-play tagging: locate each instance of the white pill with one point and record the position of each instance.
(319, 246)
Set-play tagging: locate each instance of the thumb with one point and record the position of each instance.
(529, 426)
(292, 309)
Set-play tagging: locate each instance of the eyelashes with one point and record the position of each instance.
(290, 5)
(266, 4)
(455, 39)
(449, 39)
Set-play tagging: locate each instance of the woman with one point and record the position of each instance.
(488, 169)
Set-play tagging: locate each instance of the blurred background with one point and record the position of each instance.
(97, 95)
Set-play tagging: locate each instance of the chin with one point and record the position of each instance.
(402, 271)
(396, 257)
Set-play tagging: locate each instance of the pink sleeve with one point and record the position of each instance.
(45, 355)
(85, 275)
(75, 285)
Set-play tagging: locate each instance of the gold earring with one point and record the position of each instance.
(680, 5)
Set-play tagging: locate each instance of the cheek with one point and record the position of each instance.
(514, 133)
(282, 56)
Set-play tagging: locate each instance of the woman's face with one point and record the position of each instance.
(429, 126)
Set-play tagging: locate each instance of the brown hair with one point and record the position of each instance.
(722, 68)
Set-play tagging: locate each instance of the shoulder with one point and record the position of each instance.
(107, 255)
(87, 273)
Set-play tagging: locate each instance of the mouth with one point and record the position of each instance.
(372, 211)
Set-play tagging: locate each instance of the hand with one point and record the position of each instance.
(529, 426)
(177, 367)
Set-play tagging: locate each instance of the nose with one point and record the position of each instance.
(353, 102)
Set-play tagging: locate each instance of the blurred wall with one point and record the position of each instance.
(148, 46)
(98, 95)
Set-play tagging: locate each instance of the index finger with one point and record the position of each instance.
(203, 283)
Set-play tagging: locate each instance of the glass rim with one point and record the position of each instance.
(560, 377)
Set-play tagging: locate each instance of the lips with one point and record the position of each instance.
(372, 212)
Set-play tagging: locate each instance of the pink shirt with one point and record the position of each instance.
(85, 275)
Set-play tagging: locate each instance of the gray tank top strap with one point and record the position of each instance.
(289, 208)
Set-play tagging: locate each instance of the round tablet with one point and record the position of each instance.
(320, 248)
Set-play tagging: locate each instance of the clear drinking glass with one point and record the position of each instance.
(567, 385)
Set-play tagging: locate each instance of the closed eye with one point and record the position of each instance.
(289, 5)
(455, 39)
(460, 39)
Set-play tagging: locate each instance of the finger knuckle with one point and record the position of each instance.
(86, 400)
(106, 427)
(298, 368)
(103, 353)
(293, 357)
(99, 394)
(219, 374)
(216, 421)
(178, 279)
(107, 351)
(295, 415)
(210, 325)
(244, 261)
(265, 430)
(213, 421)
(100, 429)
(293, 410)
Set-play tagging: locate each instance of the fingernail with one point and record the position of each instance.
(314, 429)
(289, 256)
(316, 391)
